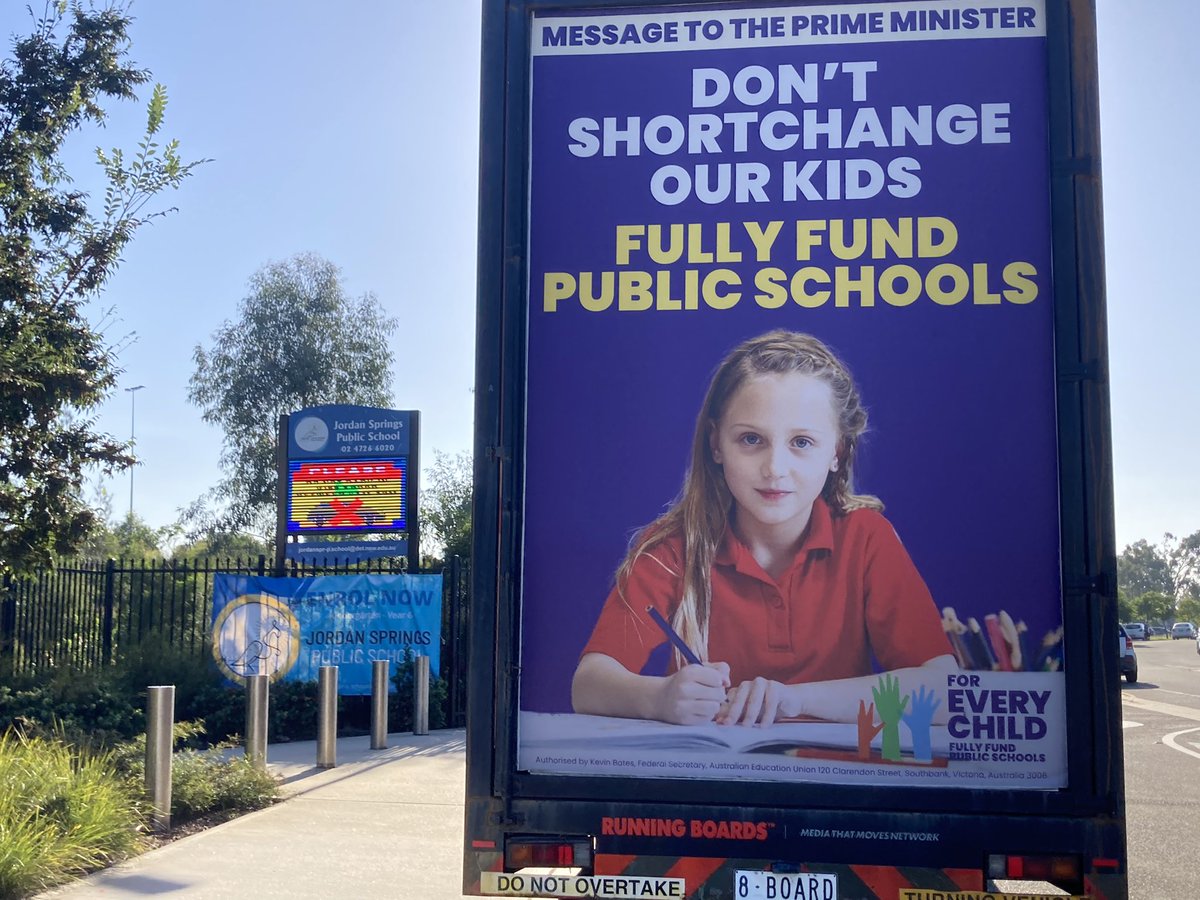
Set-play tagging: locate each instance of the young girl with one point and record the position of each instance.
(778, 578)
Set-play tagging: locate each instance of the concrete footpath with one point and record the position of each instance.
(381, 824)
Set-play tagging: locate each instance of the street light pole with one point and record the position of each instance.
(132, 392)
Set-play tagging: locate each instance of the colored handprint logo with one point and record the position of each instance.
(891, 708)
(919, 720)
(867, 729)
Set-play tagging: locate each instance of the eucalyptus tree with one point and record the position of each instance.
(299, 340)
(446, 507)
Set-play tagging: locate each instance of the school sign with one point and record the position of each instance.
(289, 628)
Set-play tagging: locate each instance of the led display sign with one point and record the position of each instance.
(340, 496)
(348, 470)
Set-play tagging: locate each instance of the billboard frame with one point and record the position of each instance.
(1095, 792)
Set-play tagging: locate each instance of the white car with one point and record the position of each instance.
(1136, 630)
(1183, 630)
(1128, 656)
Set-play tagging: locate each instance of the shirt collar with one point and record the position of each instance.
(817, 536)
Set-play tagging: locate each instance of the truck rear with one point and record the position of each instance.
(913, 188)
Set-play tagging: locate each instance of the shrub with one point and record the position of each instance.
(400, 704)
(209, 781)
(156, 660)
(202, 780)
(222, 709)
(62, 813)
(292, 711)
(90, 709)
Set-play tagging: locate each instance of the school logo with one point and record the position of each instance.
(256, 634)
(311, 434)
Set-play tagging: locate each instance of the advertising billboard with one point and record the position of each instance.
(791, 500)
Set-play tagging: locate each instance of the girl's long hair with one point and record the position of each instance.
(700, 514)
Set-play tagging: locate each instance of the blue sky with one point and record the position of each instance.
(350, 130)
(1148, 121)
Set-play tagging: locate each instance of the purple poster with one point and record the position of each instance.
(791, 498)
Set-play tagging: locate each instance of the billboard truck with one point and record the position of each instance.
(794, 564)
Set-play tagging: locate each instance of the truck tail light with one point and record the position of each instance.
(548, 853)
(1059, 870)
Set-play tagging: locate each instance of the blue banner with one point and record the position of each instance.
(289, 627)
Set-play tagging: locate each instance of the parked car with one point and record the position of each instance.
(1156, 631)
(1136, 630)
(1183, 630)
(1128, 657)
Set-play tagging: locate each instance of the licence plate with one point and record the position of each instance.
(750, 885)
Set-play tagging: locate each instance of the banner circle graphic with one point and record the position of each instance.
(256, 634)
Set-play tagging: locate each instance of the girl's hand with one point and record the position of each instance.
(757, 702)
(693, 695)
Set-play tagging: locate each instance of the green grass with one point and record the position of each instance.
(62, 813)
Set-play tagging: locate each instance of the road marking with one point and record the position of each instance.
(1169, 740)
(1127, 724)
(1180, 693)
(1170, 709)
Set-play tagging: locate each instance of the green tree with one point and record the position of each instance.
(1188, 610)
(300, 341)
(1141, 568)
(130, 538)
(1125, 608)
(1153, 606)
(223, 545)
(446, 508)
(1183, 564)
(56, 253)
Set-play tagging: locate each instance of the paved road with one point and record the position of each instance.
(1162, 770)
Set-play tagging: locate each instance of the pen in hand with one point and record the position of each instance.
(672, 636)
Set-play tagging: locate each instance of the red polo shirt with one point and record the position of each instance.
(851, 591)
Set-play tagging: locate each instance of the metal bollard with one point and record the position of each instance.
(257, 698)
(421, 695)
(327, 708)
(379, 704)
(160, 738)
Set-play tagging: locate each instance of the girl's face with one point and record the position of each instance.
(777, 443)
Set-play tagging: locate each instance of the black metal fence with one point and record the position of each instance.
(88, 614)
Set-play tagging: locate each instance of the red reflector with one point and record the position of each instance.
(555, 856)
(483, 845)
(540, 855)
(1105, 864)
(1037, 869)
(1043, 868)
